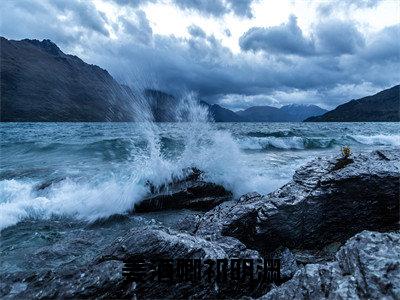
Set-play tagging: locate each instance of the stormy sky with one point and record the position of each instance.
(237, 53)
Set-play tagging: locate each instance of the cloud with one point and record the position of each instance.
(217, 8)
(208, 7)
(83, 13)
(138, 29)
(384, 46)
(131, 3)
(241, 7)
(283, 39)
(277, 65)
(327, 8)
(331, 36)
(196, 31)
(338, 37)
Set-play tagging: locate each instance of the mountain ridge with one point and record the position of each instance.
(383, 106)
(39, 82)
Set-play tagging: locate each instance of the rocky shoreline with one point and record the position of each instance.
(335, 229)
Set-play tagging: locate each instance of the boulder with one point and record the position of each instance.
(188, 191)
(322, 204)
(366, 267)
(102, 277)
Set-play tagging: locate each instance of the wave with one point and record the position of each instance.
(286, 143)
(91, 198)
(68, 198)
(378, 140)
(278, 134)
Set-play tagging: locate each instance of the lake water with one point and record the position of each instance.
(58, 178)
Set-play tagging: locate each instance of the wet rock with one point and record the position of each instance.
(319, 206)
(189, 191)
(288, 264)
(189, 223)
(102, 277)
(366, 267)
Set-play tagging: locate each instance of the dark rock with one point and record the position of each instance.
(189, 223)
(318, 207)
(366, 267)
(102, 278)
(189, 191)
(157, 242)
(341, 163)
(288, 264)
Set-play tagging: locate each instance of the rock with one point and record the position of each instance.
(318, 207)
(366, 267)
(102, 277)
(288, 264)
(189, 191)
(240, 214)
(189, 223)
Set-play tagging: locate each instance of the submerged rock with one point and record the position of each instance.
(189, 192)
(321, 205)
(366, 267)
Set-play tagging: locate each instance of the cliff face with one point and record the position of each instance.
(41, 83)
(381, 107)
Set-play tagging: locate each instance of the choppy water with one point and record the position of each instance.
(58, 178)
(93, 170)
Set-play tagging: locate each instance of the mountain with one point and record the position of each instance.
(287, 113)
(300, 112)
(263, 114)
(41, 83)
(381, 107)
(162, 105)
(221, 114)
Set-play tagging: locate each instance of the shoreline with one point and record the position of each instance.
(250, 226)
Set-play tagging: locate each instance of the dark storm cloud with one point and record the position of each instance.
(338, 37)
(214, 8)
(333, 36)
(385, 46)
(318, 69)
(283, 39)
(204, 65)
(140, 30)
(36, 20)
(83, 13)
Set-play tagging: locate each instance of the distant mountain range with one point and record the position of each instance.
(287, 113)
(41, 83)
(381, 107)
